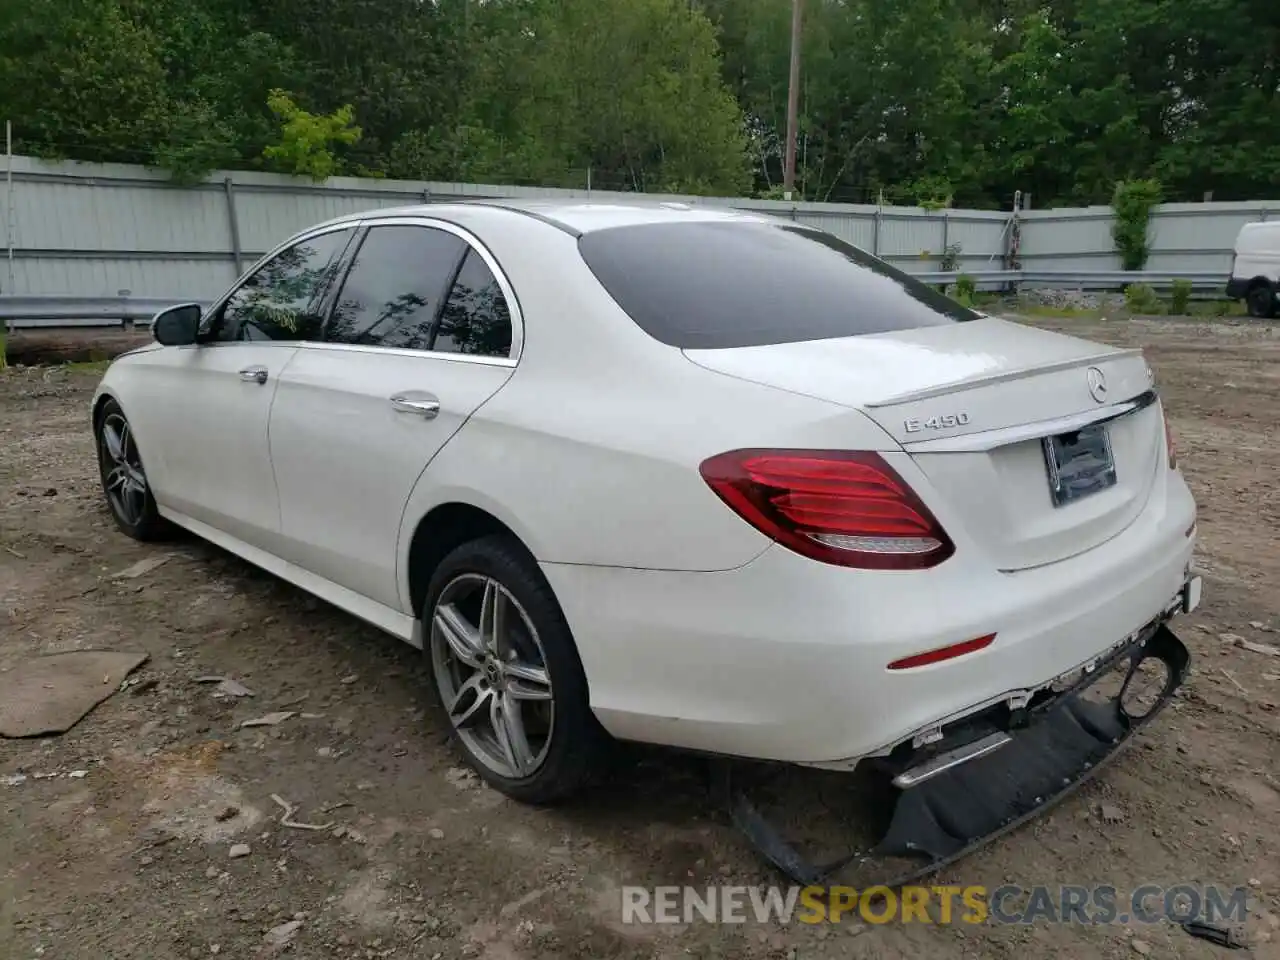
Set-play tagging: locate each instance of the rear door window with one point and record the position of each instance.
(715, 284)
(395, 287)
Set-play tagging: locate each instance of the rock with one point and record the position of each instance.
(227, 813)
(146, 861)
(14, 779)
(78, 774)
(212, 873)
(270, 720)
(461, 778)
(1230, 637)
(349, 679)
(239, 850)
(435, 833)
(1110, 813)
(325, 752)
(215, 948)
(231, 688)
(283, 934)
(1141, 947)
(1255, 882)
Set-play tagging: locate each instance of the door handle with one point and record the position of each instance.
(254, 374)
(422, 404)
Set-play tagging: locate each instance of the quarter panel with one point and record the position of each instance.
(591, 451)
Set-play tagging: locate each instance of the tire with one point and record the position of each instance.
(532, 749)
(1261, 300)
(124, 480)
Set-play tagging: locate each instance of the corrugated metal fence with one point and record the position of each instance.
(100, 229)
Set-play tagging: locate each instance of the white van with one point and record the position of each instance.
(1255, 271)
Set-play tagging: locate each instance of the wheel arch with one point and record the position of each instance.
(99, 403)
(441, 529)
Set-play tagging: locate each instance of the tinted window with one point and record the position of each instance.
(476, 319)
(393, 292)
(734, 284)
(280, 301)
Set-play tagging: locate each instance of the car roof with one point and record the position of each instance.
(573, 216)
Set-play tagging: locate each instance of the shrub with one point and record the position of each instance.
(1132, 204)
(1180, 301)
(1140, 298)
(966, 289)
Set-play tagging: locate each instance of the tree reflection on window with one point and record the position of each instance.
(476, 319)
(395, 286)
(279, 302)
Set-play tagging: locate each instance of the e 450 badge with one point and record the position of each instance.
(944, 422)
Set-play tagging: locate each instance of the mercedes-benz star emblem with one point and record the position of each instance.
(1097, 385)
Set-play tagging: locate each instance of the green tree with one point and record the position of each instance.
(307, 140)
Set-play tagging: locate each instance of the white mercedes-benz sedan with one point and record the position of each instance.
(661, 473)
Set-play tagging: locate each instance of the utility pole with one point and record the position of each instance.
(793, 103)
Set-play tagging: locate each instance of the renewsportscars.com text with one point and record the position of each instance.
(1009, 904)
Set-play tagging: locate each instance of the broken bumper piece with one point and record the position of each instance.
(991, 773)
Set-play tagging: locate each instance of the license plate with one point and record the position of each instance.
(1079, 464)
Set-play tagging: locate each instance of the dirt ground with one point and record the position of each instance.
(132, 859)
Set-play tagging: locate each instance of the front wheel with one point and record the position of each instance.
(507, 674)
(124, 480)
(1261, 301)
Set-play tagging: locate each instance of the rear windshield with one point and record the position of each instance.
(713, 284)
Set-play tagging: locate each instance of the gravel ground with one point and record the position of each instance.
(135, 859)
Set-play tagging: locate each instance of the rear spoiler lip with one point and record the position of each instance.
(1004, 376)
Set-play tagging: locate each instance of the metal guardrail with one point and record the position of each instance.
(26, 312)
(57, 311)
(1075, 279)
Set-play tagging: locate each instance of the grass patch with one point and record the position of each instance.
(1217, 308)
(87, 366)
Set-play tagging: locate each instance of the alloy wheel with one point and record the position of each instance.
(491, 671)
(123, 478)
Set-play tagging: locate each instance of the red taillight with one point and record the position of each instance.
(841, 507)
(1168, 442)
(943, 653)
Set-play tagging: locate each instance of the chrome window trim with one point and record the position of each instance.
(1003, 436)
(402, 352)
(371, 221)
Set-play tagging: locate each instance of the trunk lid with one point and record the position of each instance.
(973, 404)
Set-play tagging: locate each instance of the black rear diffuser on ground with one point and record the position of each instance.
(1061, 745)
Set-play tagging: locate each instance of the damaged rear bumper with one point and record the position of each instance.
(991, 772)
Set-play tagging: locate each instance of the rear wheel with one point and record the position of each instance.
(507, 674)
(1261, 300)
(124, 480)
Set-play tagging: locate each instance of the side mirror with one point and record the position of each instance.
(177, 326)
